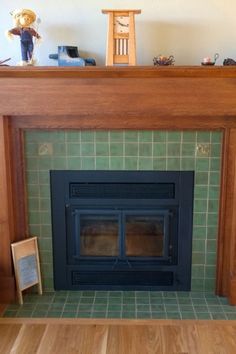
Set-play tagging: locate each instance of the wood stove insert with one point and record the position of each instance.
(122, 229)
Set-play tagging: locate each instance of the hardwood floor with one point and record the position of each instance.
(95, 336)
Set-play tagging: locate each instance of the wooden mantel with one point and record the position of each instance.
(114, 98)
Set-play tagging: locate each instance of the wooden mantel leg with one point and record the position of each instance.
(7, 284)
(227, 242)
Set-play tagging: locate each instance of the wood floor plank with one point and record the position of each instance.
(94, 336)
(63, 339)
(28, 339)
(8, 335)
(173, 339)
(211, 339)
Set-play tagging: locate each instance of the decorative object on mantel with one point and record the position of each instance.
(26, 265)
(209, 61)
(23, 19)
(229, 61)
(69, 56)
(121, 46)
(2, 62)
(163, 60)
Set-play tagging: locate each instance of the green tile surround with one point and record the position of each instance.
(128, 150)
(124, 304)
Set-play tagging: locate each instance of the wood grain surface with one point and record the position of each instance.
(88, 336)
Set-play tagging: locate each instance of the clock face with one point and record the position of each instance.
(121, 24)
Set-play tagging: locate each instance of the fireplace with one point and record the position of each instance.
(93, 102)
(122, 229)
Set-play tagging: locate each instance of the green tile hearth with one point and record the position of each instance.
(123, 304)
(128, 150)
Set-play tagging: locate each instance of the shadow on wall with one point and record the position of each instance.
(188, 42)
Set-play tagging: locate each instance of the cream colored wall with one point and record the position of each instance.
(187, 29)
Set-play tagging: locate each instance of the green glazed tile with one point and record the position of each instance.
(87, 136)
(173, 149)
(87, 149)
(74, 163)
(131, 163)
(203, 137)
(157, 308)
(198, 271)
(84, 314)
(158, 315)
(201, 178)
(131, 149)
(159, 150)
(203, 315)
(116, 149)
(101, 136)
(131, 136)
(72, 136)
(145, 149)
(68, 314)
(174, 136)
(216, 137)
(116, 136)
(32, 164)
(213, 206)
(145, 163)
(128, 314)
(73, 149)
(202, 164)
(114, 314)
(218, 316)
(173, 163)
(199, 246)
(215, 164)
(102, 149)
(98, 314)
(145, 136)
(159, 136)
(200, 205)
(187, 164)
(59, 149)
(188, 150)
(214, 192)
(159, 164)
(216, 150)
(173, 315)
(189, 136)
(102, 163)
(117, 163)
(88, 163)
(230, 316)
(144, 314)
(188, 315)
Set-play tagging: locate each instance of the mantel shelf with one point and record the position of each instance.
(118, 71)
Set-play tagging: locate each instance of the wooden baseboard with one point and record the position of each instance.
(7, 289)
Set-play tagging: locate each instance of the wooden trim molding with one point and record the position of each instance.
(6, 213)
(104, 98)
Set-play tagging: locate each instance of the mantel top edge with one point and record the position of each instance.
(118, 72)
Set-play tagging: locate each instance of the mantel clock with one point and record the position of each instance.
(121, 47)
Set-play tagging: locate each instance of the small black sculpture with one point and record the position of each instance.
(229, 61)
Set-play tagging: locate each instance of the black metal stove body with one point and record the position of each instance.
(122, 229)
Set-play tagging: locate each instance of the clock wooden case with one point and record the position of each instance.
(121, 46)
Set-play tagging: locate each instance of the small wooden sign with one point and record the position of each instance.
(26, 265)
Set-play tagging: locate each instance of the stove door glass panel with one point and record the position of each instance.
(144, 235)
(99, 235)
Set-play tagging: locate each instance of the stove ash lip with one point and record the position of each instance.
(113, 272)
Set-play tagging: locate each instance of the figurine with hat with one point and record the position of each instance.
(24, 19)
